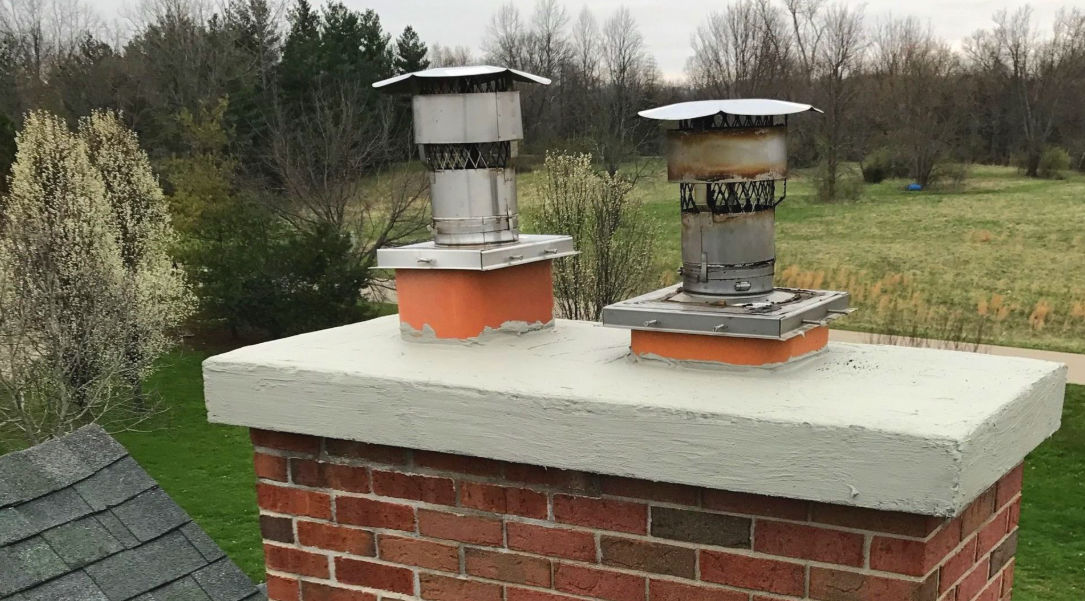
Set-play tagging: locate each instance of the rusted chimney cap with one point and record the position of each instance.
(405, 82)
(731, 106)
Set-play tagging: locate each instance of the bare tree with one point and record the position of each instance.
(743, 50)
(449, 56)
(506, 41)
(629, 75)
(914, 73)
(838, 62)
(1039, 73)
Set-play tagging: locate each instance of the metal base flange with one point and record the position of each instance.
(782, 314)
(482, 257)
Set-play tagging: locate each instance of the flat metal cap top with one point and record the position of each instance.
(399, 82)
(731, 106)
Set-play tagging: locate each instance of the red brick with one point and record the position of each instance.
(503, 499)
(1015, 513)
(293, 501)
(461, 464)
(601, 584)
(276, 528)
(841, 585)
(991, 591)
(570, 480)
(282, 589)
(956, 566)
(557, 542)
(1009, 486)
(464, 528)
(376, 453)
(653, 491)
(361, 572)
(269, 467)
(319, 474)
(737, 502)
(285, 441)
(508, 567)
(313, 591)
(767, 575)
(974, 582)
(993, 532)
(664, 590)
(1007, 578)
(296, 561)
(446, 588)
(888, 522)
(605, 514)
(378, 514)
(808, 542)
(523, 594)
(643, 556)
(413, 486)
(913, 557)
(421, 553)
(978, 512)
(336, 538)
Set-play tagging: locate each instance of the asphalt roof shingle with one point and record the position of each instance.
(81, 521)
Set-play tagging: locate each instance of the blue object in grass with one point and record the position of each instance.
(913, 187)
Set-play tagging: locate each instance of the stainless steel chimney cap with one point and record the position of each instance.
(753, 107)
(405, 82)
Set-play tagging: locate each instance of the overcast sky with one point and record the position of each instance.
(667, 25)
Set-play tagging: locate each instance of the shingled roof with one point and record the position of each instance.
(81, 521)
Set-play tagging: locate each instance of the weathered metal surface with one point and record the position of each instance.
(727, 155)
(474, 206)
(467, 118)
(786, 313)
(732, 106)
(397, 83)
(429, 255)
(728, 254)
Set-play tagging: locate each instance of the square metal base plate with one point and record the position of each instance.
(484, 257)
(782, 314)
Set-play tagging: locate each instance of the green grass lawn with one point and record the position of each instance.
(207, 470)
(1005, 245)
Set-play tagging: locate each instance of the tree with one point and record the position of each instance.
(157, 295)
(614, 234)
(914, 77)
(629, 74)
(449, 56)
(410, 52)
(62, 290)
(744, 50)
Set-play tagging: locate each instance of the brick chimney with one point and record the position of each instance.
(558, 466)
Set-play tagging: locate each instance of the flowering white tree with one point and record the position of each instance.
(157, 295)
(81, 282)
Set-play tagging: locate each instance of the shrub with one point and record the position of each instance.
(950, 176)
(847, 185)
(613, 232)
(1054, 161)
(881, 164)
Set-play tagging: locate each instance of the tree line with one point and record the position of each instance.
(284, 170)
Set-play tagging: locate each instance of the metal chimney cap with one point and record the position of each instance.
(731, 106)
(402, 82)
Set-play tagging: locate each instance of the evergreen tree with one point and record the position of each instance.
(410, 52)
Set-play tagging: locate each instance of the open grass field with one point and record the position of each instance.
(1004, 253)
(207, 470)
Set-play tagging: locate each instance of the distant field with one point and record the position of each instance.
(1004, 253)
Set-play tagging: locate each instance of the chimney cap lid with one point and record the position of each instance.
(730, 106)
(398, 82)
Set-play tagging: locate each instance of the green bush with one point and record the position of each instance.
(881, 164)
(1054, 162)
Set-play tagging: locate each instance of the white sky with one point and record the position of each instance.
(667, 25)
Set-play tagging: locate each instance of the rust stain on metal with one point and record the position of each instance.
(727, 155)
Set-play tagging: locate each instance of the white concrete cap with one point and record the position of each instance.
(916, 430)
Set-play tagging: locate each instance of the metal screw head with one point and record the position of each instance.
(742, 286)
(651, 322)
